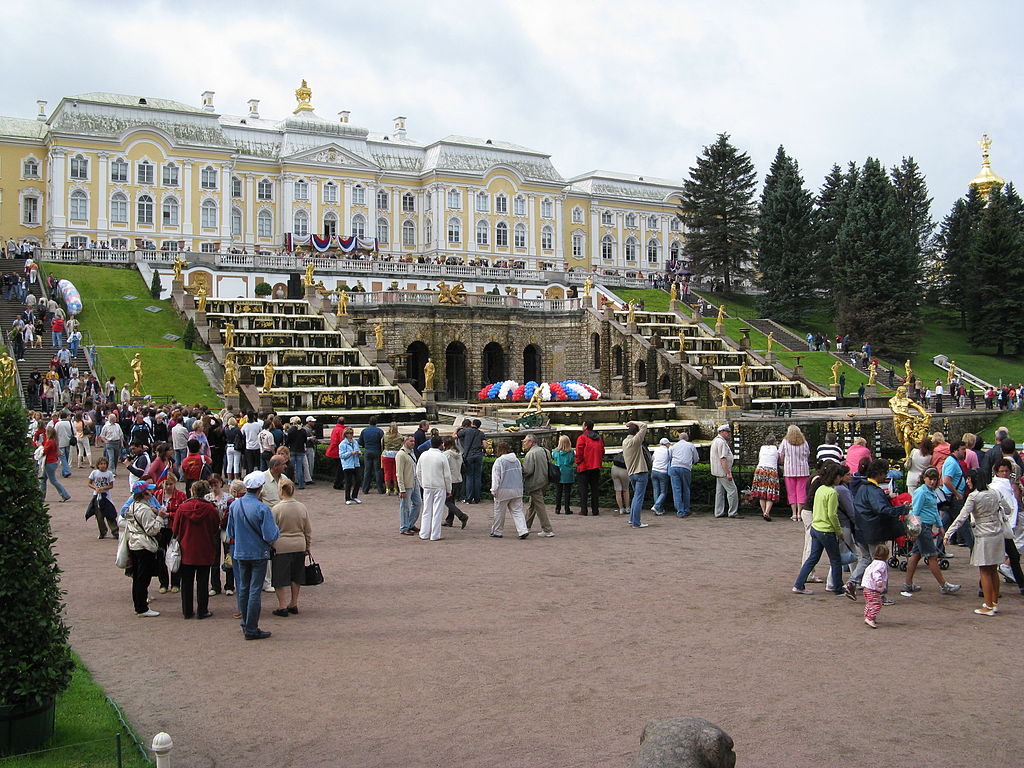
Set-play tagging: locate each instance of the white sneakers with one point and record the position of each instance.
(148, 614)
(546, 534)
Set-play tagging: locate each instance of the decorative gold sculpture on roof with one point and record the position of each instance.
(302, 95)
(986, 178)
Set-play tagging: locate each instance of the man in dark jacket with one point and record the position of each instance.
(875, 518)
(471, 443)
(371, 441)
(589, 456)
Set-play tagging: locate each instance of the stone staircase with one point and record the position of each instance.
(782, 337)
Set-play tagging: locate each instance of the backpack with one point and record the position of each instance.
(194, 466)
(239, 444)
(554, 472)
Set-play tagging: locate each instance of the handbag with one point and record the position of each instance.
(554, 473)
(122, 558)
(229, 562)
(314, 575)
(172, 557)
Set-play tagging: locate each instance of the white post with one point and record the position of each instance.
(161, 749)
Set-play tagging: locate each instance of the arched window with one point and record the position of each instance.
(482, 203)
(208, 214)
(501, 235)
(577, 245)
(641, 371)
(607, 248)
(454, 230)
(501, 203)
(358, 226)
(169, 212)
(265, 190)
(595, 350)
(383, 231)
(144, 212)
(520, 236)
(547, 238)
(119, 171)
(652, 222)
(236, 222)
(675, 224)
(454, 199)
(607, 218)
(301, 223)
(208, 178)
(482, 233)
(382, 199)
(79, 208)
(547, 209)
(144, 172)
(653, 250)
(674, 250)
(632, 247)
(330, 192)
(119, 209)
(264, 224)
(631, 220)
(30, 168)
(616, 360)
(330, 224)
(170, 175)
(577, 215)
(79, 168)
(358, 195)
(236, 186)
(408, 203)
(301, 190)
(520, 205)
(408, 234)
(428, 232)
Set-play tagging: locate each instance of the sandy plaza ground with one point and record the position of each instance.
(474, 651)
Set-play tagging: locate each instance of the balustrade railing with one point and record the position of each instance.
(375, 298)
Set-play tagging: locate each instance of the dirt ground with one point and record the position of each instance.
(475, 651)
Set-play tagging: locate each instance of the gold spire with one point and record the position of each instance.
(303, 95)
(986, 178)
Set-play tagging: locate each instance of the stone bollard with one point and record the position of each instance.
(684, 742)
(161, 749)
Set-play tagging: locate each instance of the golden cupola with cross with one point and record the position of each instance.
(986, 178)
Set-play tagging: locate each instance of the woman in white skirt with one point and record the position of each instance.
(765, 487)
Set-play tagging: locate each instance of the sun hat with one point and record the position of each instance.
(254, 480)
(724, 428)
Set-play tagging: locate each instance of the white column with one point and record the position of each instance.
(641, 258)
(102, 205)
(440, 218)
(532, 246)
(395, 246)
(594, 237)
(186, 200)
(249, 203)
(345, 225)
(315, 225)
(225, 204)
(371, 206)
(58, 182)
(664, 243)
(620, 240)
(559, 234)
(287, 200)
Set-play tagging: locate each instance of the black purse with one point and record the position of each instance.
(314, 575)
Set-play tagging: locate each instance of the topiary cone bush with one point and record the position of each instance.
(35, 658)
(191, 335)
(155, 289)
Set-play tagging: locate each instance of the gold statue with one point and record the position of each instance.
(136, 365)
(451, 295)
(179, 263)
(201, 298)
(721, 315)
(428, 374)
(727, 401)
(910, 427)
(393, 286)
(682, 344)
(342, 308)
(632, 313)
(229, 335)
(268, 376)
(951, 374)
(230, 375)
(378, 334)
(835, 373)
(443, 292)
(534, 404)
(307, 278)
(744, 372)
(673, 292)
(588, 284)
(302, 95)
(909, 372)
(771, 340)
(457, 291)
(8, 375)
(872, 373)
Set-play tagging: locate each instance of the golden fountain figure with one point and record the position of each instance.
(307, 278)
(201, 297)
(910, 421)
(378, 336)
(342, 308)
(137, 374)
(268, 376)
(951, 373)
(8, 372)
(179, 264)
(721, 315)
(229, 335)
(428, 374)
(744, 373)
(835, 373)
(673, 293)
(230, 375)
(588, 284)
(771, 340)
(872, 373)
(727, 401)
(908, 371)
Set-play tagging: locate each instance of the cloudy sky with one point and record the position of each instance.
(636, 87)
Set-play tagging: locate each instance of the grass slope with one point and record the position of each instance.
(121, 327)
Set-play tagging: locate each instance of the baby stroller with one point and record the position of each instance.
(902, 544)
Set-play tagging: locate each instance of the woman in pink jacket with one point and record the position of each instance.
(794, 454)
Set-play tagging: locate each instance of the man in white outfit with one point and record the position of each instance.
(727, 498)
(435, 478)
(507, 490)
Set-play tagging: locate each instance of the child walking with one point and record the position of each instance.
(875, 582)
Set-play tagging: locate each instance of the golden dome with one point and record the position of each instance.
(986, 178)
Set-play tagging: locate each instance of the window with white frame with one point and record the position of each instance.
(79, 208)
(300, 224)
(30, 168)
(483, 233)
(144, 172)
(358, 225)
(358, 195)
(501, 203)
(330, 224)
(674, 224)
(169, 211)
(454, 199)
(652, 222)
(577, 244)
(408, 234)
(207, 247)
(631, 220)
(577, 215)
(301, 190)
(330, 192)
(208, 177)
(265, 190)
(501, 235)
(208, 213)
(408, 203)
(519, 205)
(632, 246)
(236, 187)
(482, 202)
(168, 245)
(264, 224)
(547, 209)
(79, 167)
(382, 199)
(119, 208)
(454, 230)
(520, 236)
(30, 209)
(147, 245)
(653, 251)
(120, 243)
(144, 209)
(429, 205)
(607, 248)
(607, 218)
(428, 232)
(547, 238)
(383, 231)
(119, 171)
(170, 175)
(78, 241)
(236, 222)
(674, 250)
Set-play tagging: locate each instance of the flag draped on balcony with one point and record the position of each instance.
(321, 244)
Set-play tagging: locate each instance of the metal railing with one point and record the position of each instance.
(376, 298)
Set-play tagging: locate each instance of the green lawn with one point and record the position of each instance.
(1012, 420)
(83, 715)
(122, 327)
(818, 368)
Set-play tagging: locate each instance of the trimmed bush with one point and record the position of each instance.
(154, 286)
(263, 289)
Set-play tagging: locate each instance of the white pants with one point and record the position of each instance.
(233, 462)
(433, 513)
(83, 451)
(515, 507)
(310, 458)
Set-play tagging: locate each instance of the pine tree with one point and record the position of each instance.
(829, 214)
(785, 242)
(995, 319)
(950, 279)
(718, 208)
(880, 270)
(155, 289)
(191, 335)
(914, 207)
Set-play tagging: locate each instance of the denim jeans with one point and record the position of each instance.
(409, 508)
(65, 460)
(179, 456)
(57, 338)
(681, 478)
(299, 469)
(372, 473)
(822, 541)
(638, 484)
(112, 451)
(474, 468)
(73, 348)
(249, 575)
(50, 474)
(661, 487)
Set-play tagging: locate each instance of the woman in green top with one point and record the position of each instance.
(826, 532)
(564, 458)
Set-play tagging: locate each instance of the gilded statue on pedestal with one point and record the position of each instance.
(453, 295)
(744, 373)
(179, 264)
(230, 375)
(872, 373)
(8, 375)
(727, 401)
(771, 340)
(910, 421)
(378, 335)
(307, 278)
(342, 308)
(137, 374)
(632, 313)
(673, 293)
(428, 375)
(588, 284)
(268, 376)
(721, 315)
(682, 344)
(951, 374)
(201, 298)
(835, 373)
(229, 335)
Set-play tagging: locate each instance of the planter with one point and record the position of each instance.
(23, 729)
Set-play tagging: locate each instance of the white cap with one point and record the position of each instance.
(724, 428)
(311, 418)
(664, 441)
(254, 480)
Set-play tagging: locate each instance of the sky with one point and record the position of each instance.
(638, 87)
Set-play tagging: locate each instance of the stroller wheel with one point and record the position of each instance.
(903, 565)
(893, 562)
(943, 564)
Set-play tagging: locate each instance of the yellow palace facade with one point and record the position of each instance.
(125, 172)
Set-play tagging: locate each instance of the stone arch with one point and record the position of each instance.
(493, 368)
(666, 382)
(617, 360)
(641, 371)
(595, 350)
(455, 373)
(532, 364)
(416, 355)
(280, 291)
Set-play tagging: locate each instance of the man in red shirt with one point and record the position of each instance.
(589, 456)
(57, 331)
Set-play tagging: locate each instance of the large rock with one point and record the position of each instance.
(684, 742)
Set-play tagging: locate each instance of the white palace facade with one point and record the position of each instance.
(129, 172)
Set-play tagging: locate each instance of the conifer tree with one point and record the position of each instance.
(785, 242)
(997, 275)
(830, 212)
(719, 211)
(949, 280)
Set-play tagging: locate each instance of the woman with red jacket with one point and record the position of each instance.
(589, 456)
(197, 528)
(169, 498)
(50, 463)
(337, 435)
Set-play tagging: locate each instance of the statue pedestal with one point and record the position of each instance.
(213, 335)
(429, 395)
(200, 318)
(836, 390)
(743, 397)
(587, 302)
(232, 402)
(871, 390)
(245, 376)
(341, 321)
(178, 293)
(609, 312)
(266, 402)
(771, 357)
(379, 356)
(718, 329)
(798, 371)
(673, 305)
(745, 338)
(631, 327)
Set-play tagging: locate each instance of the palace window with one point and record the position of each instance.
(170, 175)
(501, 203)
(79, 208)
(632, 246)
(330, 224)
(358, 195)
(236, 187)
(264, 224)
(520, 205)
(408, 234)
(454, 199)
(208, 178)
(79, 168)
(631, 220)
(30, 168)
(482, 233)
(119, 209)
(454, 230)
(168, 245)
(30, 209)
(408, 203)
(301, 223)
(144, 172)
(207, 247)
(169, 212)
(121, 244)
(430, 201)
(501, 235)
(607, 248)
(301, 190)
(358, 226)
(675, 224)
(482, 203)
(119, 171)
(236, 222)
(607, 218)
(653, 249)
(208, 213)
(547, 209)
(547, 237)
(330, 192)
(428, 232)
(652, 222)
(383, 231)
(520, 236)
(78, 241)
(674, 250)
(577, 245)
(265, 190)
(144, 208)
(577, 215)
(382, 200)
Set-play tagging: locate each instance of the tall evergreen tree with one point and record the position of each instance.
(785, 242)
(914, 204)
(878, 298)
(829, 214)
(949, 281)
(719, 211)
